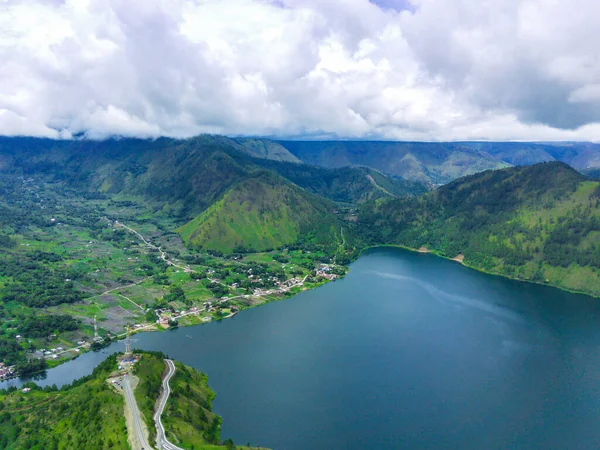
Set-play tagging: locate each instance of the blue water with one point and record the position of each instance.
(408, 351)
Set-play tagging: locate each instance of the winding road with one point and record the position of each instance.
(161, 440)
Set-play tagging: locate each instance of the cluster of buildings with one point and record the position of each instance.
(6, 371)
(51, 353)
(287, 284)
(165, 315)
(324, 271)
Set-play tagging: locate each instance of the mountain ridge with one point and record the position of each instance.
(441, 162)
(537, 223)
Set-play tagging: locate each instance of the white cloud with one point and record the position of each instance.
(393, 69)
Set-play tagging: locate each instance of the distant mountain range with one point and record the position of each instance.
(442, 162)
(538, 222)
(242, 194)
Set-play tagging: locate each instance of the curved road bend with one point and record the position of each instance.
(161, 439)
(132, 404)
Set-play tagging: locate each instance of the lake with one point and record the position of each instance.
(408, 351)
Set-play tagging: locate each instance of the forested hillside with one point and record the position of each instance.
(261, 213)
(539, 223)
(87, 414)
(90, 414)
(185, 178)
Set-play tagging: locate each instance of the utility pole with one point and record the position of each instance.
(128, 342)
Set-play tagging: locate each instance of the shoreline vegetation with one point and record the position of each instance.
(461, 260)
(537, 223)
(154, 327)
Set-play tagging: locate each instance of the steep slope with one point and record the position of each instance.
(262, 212)
(184, 179)
(576, 154)
(182, 176)
(441, 162)
(415, 161)
(265, 149)
(188, 418)
(539, 223)
(346, 184)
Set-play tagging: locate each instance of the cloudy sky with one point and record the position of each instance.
(384, 69)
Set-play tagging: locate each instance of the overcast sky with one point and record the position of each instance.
(384, 69)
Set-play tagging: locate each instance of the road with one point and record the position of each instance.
(137, 420)
(163, 254)
(161, 439)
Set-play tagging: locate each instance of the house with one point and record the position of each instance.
(25, 390)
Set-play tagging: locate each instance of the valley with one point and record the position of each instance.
(86, 270)
(96, 236)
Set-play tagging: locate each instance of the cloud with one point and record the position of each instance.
(391, 69)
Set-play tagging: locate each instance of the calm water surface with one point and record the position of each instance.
(408, 351)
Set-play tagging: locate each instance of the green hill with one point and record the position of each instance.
(266, 149)
(347, 184)
(183, 176)
(262, 212)
(205, 180)
(89, 413)
(538, 223)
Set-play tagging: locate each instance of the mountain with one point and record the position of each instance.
(201, 179)
(188, 175)
(346, 184)
(579, 155)
(416, 161)
(441, 162)
(261, 213)
(265, 149)
(538, 223)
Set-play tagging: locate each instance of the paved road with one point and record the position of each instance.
(161, 439)
(132, 404)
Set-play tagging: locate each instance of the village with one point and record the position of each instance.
(6, 371)
(213, 288)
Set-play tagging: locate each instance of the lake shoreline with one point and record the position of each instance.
(154, 328)
(421, 250)
(427, 251)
